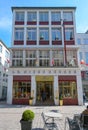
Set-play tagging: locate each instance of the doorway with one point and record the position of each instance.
(44, 93)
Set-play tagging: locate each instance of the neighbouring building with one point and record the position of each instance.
(4, 64)
(44, 57)
(82, 40)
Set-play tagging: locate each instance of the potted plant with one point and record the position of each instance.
(61, 100)
(30, 100)
(26, 121)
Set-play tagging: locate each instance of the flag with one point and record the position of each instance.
(8, 61)
(53, 61)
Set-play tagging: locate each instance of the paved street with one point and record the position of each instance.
(10, 115)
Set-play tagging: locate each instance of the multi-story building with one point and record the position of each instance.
(82, 40)
(44, 56)
(4, 64)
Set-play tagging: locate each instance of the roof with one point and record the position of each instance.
(43, 8)
(4, 44)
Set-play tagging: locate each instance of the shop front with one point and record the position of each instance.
(68, 90)
(21, 89)
(44, 90)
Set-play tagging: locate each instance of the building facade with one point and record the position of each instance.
(44, 57)
(4, 64)
(82, 40)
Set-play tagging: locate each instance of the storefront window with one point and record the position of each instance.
(21, 89)
(68, 89)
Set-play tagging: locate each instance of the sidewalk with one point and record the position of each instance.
(10, 115)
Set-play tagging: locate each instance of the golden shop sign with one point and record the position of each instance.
(44, 78)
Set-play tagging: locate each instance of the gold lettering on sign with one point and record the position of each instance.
(44, 78)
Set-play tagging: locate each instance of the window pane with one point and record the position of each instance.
(56, 34)
(19, 34)
(55, 16)
(31, 16)
(78, 41)
(69, 34)
(43, 16)
(85, 41)
(31, 34)
(44, 33)
(80, 56)
(19, 16)
(68, 16)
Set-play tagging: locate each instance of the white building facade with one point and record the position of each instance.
(82, 41)
(44, 56)
(4, 64)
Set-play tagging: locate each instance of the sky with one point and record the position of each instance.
(6, 14)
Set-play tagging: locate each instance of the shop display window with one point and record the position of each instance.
(68, 89)
(21, 89)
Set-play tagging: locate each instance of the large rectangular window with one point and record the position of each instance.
(31, 34)
(78, 41)
(55, 16)
(31, 58)
(19, 16)
(68, 89)
(19, 34)
(72, 58)
(68, 16)
(43, 16)
(44, 34)
(21, 89)
(85, 41)
(17, 58)
(31, 16)
(57, 58)
(69, 33)
(56, 34)
(44, 58)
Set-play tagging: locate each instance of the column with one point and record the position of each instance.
(33, 88)
(56, 94)
(79, 90)
(9, 89)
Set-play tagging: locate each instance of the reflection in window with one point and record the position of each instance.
(31, 34)
(43, 16)
(78, 41)
(19, 16)
(68, 89)
(85, 41)
(31, 16)
(68, 16)
(56, 34)
(55, 16)
(19, 33)
(44, 34)
(69, 34)
(21, 89)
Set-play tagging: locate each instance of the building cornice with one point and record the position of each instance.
(34, 8)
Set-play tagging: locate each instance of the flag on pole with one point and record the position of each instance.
(8, 61)
(53, 61)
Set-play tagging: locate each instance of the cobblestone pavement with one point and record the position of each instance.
(10, 115)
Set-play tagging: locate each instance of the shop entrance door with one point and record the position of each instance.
(44, 93)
